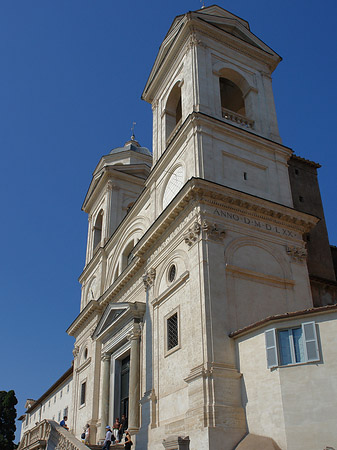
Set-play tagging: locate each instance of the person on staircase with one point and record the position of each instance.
(108, 438)
(128, 441)
(115, 428)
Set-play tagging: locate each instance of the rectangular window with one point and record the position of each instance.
(65, 412)
(67, 388)
(61, 393)
(59, 419)
(83, 389)
(172, 331)
(290, 346)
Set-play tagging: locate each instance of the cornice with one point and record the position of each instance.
(106, 174)
(99, 254)
(195, 120)
(93, 307)
(240, 45)
(206, 193)
(218, 195)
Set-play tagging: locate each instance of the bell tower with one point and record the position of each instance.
(213, 107)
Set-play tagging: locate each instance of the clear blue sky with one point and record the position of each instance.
(72, 73)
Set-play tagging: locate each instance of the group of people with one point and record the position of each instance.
(116, 434)
(112, 436)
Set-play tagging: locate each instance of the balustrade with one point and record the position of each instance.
(237, 118)
(48, 434)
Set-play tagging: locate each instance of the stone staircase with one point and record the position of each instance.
(49, 435)
(112, 447)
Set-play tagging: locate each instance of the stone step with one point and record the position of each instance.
(112, 447)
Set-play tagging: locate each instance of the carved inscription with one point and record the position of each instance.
(256, 223)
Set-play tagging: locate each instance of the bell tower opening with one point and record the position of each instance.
(231, 97)
(98, 230)
(173, 110)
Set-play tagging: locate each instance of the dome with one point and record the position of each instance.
(133, 145)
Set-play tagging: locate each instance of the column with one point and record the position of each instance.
(104, 398)
(134, 379)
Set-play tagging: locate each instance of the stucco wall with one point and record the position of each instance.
(295, 405)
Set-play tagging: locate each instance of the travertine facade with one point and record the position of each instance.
(189, 244)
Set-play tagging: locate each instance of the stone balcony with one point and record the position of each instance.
(237, 119)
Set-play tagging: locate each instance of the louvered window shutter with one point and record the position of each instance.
(272, 359)
(310, 340)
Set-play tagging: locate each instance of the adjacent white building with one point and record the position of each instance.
(197, 317)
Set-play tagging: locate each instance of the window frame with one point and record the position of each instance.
(309, 336)
(82, 404)
(168, 351)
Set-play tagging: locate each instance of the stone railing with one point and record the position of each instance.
(237, 119)
(48, 435)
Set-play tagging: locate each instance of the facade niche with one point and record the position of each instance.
(173, 110)
(231, 97)
(127, 254)
(98, 230)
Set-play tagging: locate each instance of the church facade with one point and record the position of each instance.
(208, 302)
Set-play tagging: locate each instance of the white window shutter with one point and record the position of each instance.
(310, 340)
(270, 337)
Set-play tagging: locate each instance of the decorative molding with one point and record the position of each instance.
(213, 233)
(213, 369)
(169, 239)
(76, 350)
(105, 357)
(135, 333)
(191, 236)
(84, 365)
(149, 277)
(297, 254)
(111, 186)
(271, 280)
(176, 443)
(193, 41)
(154, 105)
(170, 289)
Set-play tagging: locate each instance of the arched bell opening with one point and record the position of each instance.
(98, 230)
(173, 110)
(231, 97)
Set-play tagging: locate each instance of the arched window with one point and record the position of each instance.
(98, 229)
(173, 111)
(231, 97)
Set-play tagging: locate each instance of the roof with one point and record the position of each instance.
(305, 161)
(133, 145)
(285, 316)
(66, 375)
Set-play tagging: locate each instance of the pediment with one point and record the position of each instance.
(212, 16)
(109, 317)
(236, 27)
(218, 12)
(116, 314)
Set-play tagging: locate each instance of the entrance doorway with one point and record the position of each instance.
(124, 391)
